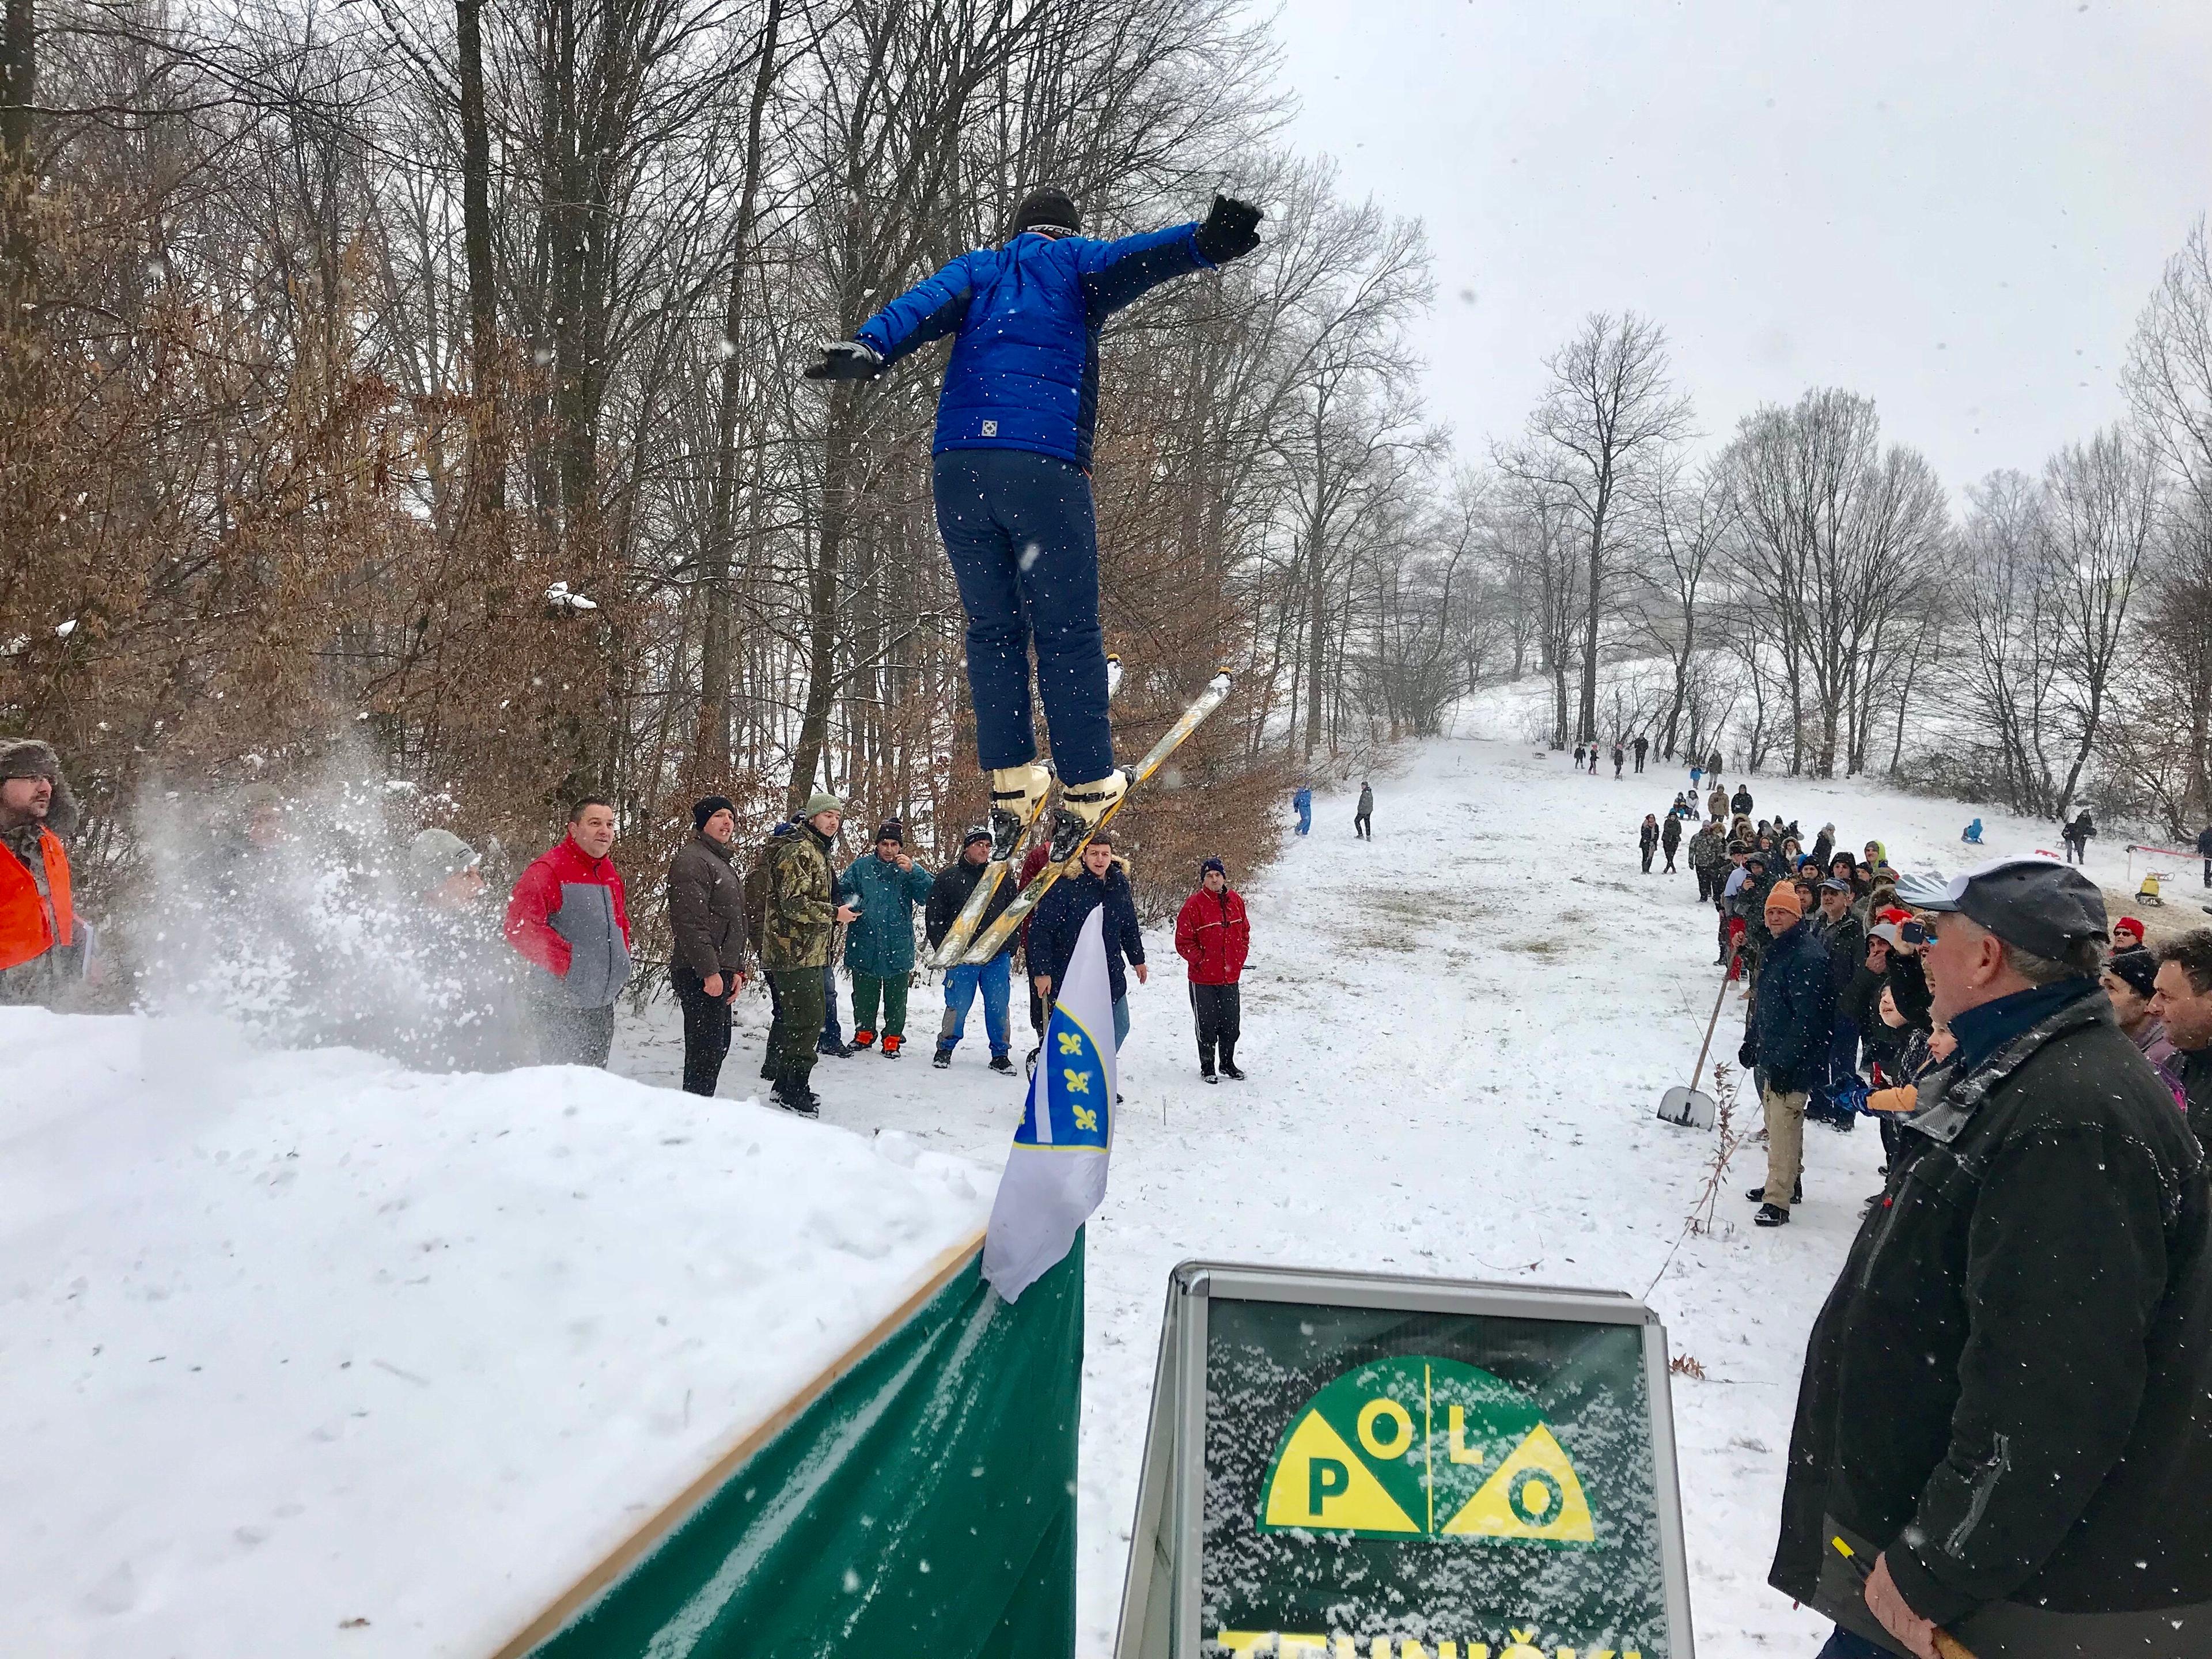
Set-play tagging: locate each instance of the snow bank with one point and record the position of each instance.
(308, 1354)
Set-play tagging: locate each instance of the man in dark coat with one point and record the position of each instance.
(1670, 840)
(1058, 919)
(2002, 1408)
(1647, 840)
(1843, 938)
(1362, 816)
(965, 980)
(1643, 747)
(1740, 802)
(2183, 1002)
(707, 938)
(1786, 1045)
(2205, 851)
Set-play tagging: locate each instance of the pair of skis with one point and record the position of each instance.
(963, 943)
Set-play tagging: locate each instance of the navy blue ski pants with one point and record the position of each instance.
(1022, 537)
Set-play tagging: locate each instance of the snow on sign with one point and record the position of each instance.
(1362, 1467)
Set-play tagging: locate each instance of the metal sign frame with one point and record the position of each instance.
(1160, 1593)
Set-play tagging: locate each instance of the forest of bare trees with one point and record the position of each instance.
(420, 381)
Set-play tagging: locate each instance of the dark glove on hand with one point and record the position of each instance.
(1748, 1055)
(845, 360)
(1231, 231)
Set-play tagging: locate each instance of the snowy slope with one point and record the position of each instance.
(295, 1341)
(1456, 1035)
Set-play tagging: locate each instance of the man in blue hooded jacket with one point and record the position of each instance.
(1011, 475)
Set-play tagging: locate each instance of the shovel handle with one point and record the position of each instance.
(1698, 1071)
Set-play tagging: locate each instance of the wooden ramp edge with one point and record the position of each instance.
(677, 1510)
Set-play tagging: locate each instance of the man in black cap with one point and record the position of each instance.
(1011, 475)
(707, 938)
(2002, 1409)
(994, 978)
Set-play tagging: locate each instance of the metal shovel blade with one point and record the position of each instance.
(1693, 1109)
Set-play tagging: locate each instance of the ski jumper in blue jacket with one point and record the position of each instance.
(1011, 469)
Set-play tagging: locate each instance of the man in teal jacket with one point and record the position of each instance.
(879, 946)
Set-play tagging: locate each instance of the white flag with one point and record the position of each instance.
(1056, 1173)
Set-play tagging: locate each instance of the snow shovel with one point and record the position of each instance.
(1691, 1107)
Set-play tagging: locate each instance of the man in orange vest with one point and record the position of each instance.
(40, 937)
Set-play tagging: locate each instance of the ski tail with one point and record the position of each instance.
(993, 939)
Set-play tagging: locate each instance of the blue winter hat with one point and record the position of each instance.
(1205, 865)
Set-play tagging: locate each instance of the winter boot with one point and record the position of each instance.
(1771, 1215)
(1002, 1064)
(892, 1044)
(863, 1039)
(794, 1096)
(1205, 1063)
(1758, 1194)
(1029, 1063)
(943, 1057)
(1017, 793)
(1081, 807)
(833, 1048)
(1229, 1063)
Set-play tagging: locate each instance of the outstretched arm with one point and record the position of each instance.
(928, 311)
(1115, 273)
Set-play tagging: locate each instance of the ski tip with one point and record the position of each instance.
(1220, 682)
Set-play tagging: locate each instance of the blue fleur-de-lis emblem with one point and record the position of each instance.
(1068, 1096)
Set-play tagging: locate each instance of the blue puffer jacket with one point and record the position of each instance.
(1024, 371)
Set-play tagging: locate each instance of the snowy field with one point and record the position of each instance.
(1456, 1035)
(307, 1355)
(540, 1295)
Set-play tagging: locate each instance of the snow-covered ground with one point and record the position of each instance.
(305, 1354)
(1456, 1035)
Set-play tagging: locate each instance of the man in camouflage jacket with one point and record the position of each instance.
(800, 915)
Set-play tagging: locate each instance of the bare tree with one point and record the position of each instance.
(1608, 414)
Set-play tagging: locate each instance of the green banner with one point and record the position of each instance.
(1386, 1484)
(924, 1504)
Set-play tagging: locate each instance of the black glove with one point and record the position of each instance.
(845, 360)
(1748, 1055)
(1231, 231)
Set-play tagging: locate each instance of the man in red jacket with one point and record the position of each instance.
(568, 917)
(1213, 936)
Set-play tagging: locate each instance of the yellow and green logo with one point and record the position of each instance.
(1420, 1447)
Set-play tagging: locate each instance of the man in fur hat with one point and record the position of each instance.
(41, 942)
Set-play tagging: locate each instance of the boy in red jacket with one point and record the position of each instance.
(1213, 936)
(568, 917)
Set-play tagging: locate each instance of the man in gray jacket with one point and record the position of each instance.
(566, 916)
(706, 916)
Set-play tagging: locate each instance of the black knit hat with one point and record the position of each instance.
(976, 833)
(2136, 968)
(891, 830)
(1049, 209)
(706, 807)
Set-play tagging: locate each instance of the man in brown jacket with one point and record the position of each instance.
(706, 917)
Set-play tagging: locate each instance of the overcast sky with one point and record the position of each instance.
(1954, 207)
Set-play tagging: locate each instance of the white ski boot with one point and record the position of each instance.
(1081, 807)
(1018, 795)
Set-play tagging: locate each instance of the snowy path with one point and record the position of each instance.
(1456, 1035)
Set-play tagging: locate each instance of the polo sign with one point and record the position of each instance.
(1422, 1446)
(1361, 1466)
